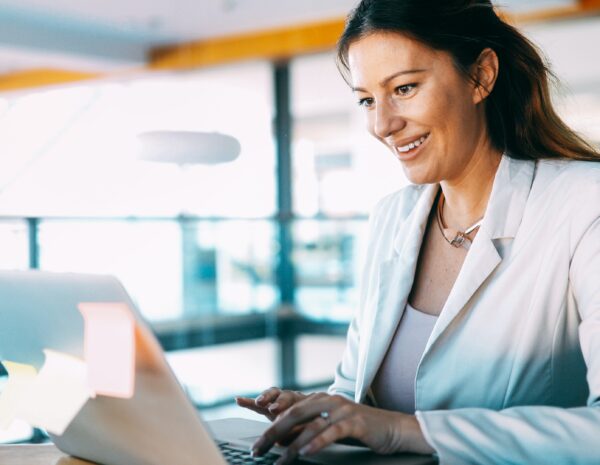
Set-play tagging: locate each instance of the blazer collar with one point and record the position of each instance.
(506, 206)
(395, 278)
(409, 236)
(503, 215)
(510, 192)
(502, 219)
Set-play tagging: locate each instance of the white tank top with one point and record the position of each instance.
(394, 385)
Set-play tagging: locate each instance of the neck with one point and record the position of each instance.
(466, 196)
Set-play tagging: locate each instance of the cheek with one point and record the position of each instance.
(450, 113)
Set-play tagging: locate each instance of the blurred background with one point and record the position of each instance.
(248, 271)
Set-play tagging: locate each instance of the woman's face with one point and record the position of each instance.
(419, 105)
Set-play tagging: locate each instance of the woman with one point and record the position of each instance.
(497, 244)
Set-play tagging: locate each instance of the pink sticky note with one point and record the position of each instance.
(109, 347)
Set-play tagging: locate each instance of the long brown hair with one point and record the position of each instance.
(520, 116)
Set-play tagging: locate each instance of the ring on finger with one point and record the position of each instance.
(326, 416)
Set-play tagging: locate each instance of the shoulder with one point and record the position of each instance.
(570, 184)
(577, 177)
(570, 192)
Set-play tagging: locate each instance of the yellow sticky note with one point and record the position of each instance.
(20, 378)
(57, 394)
(109, 347)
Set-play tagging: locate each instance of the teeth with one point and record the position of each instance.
(412, 145)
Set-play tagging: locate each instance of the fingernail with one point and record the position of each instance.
(259, 398)
(305, 450)
(254, 452)
(273, 407)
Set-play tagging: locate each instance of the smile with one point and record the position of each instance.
(412, 145)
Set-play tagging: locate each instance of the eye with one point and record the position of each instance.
(405, 90)
(366, 102)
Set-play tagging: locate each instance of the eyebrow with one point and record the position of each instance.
(392, 76)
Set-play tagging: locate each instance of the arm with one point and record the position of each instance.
(532, 434)
(345, 374)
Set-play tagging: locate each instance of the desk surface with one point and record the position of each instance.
(36, 455)
(225, 429)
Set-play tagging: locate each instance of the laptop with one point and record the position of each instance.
(159, 425)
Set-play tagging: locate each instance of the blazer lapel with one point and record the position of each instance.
(502, 219)
(481, 261)
(395, 282)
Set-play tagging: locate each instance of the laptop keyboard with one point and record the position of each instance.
(238, 456)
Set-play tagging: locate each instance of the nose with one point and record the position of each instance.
(387, 120)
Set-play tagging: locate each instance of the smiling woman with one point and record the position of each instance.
(477, 335)
(423, 104)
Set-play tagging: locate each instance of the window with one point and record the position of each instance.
(230, 267)
(83, 161)
(186, 241)
(145, 255)
(328, 255)
(14, 240)
(340, 171)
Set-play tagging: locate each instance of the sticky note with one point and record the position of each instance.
(20, 378)
(57, 394)
(109, 348)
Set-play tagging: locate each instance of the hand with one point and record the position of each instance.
(385, 432)
(271, 402)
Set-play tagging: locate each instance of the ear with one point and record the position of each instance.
(485, 73)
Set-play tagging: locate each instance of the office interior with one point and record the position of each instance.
(248, 272)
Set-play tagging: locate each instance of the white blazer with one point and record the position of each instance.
(503, 376)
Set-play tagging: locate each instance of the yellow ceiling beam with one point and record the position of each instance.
(590, 4)
(581, 9)
(267, 45)
(42, 77)
(270, 44)
(308, 38)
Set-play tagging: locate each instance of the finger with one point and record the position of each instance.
(286, 441)
(339, 430)
(250, 405)
(267, 396)
(311, 430)
(244, 401)
(284, 401)
(266, 410)
(301, 412)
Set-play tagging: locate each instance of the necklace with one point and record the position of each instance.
(461, 238)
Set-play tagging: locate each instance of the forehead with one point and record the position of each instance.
(380, 54)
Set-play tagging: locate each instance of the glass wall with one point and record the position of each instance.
(191, 244)
(145, 255)
(327, 258)
(175, 269)
(186, 241)
(83, 160)
(231, 267)
(340, 171)
(14, 251)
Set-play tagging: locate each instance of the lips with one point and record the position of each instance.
(409, 144)
(408, 148)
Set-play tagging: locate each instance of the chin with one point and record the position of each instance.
(417, 175)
